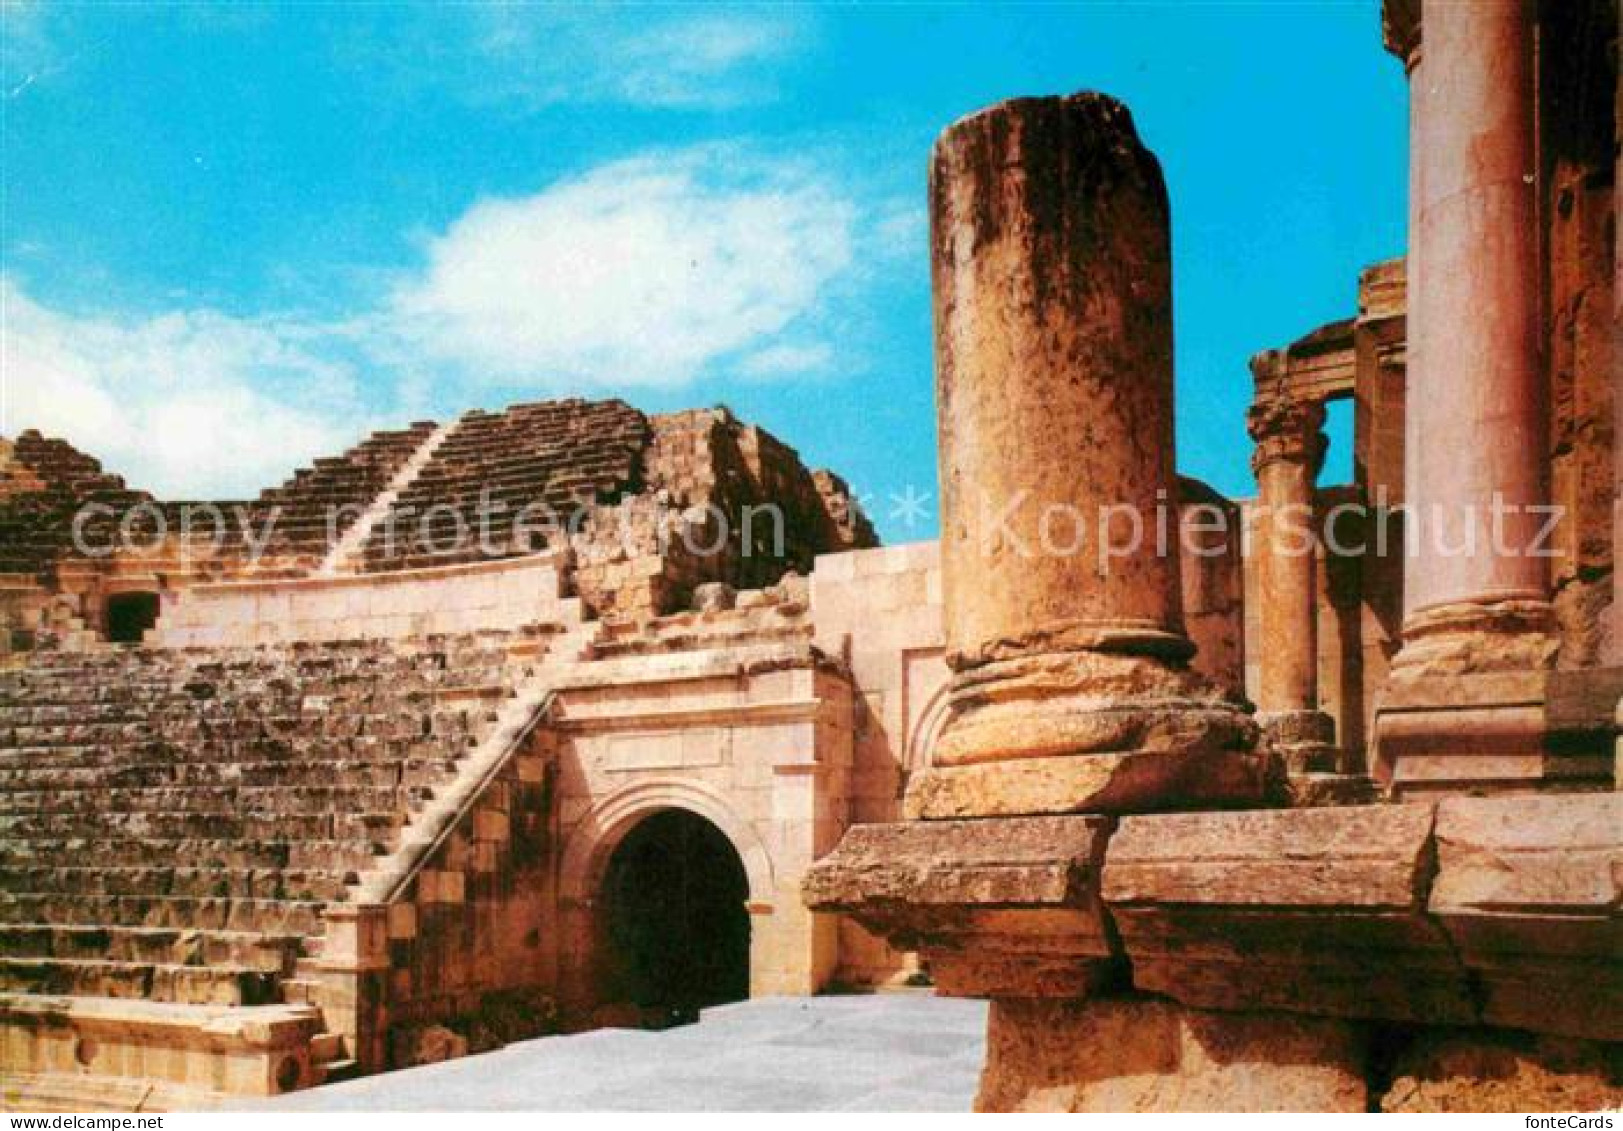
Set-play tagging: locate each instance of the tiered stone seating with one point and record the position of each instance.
(341, 486)
(560, 454)
(172, 823)
(45, 483)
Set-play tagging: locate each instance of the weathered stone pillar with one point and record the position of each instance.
(1464, 707)
(1289, 452)
(1053, 317)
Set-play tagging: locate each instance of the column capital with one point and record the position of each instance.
(1287, 429)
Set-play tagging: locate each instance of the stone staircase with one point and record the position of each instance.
(341, 557)
(557, 455)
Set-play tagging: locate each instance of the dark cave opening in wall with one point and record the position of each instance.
(129, 615)
(675, 925)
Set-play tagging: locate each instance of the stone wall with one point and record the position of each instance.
(754, 738)
(1578, 132)
(881, 611)
(721, 502)
(493, 595)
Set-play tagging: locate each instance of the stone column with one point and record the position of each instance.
(1465, 704)
(1289, 452)
(1051, 273)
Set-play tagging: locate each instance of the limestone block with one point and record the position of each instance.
(1315, 910)
(1482, 1071)
(1093, 783)
(1135, 1054)
(1529, 888)
(1005, 906)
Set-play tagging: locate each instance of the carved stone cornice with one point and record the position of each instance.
(1468, 911)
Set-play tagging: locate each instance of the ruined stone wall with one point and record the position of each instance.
(448, 599)
(721, 501)
(1578, 142)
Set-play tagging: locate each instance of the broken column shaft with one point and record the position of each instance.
(1053, 314)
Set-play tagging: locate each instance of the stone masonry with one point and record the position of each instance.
(1444, 938)
(418, 755)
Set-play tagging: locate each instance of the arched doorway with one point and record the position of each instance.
(675, 929)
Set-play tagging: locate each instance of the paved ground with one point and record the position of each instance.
(884, 1052)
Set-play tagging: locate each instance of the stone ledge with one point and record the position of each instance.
(190, 1049)
(1316, 911)
(1497, 911)
(1529, 890)
(999, 907)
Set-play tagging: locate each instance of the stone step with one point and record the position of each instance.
(376, 705)
(299, 800)
(174, 946)
(327, 1048)
(80, 1092)
(185, 985)
(314, 854)
(260, 916)
(191, 883)
(373, 826)
(449, 733)
(337, 1071)
(381, 773)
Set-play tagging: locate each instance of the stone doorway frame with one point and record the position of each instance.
(585, 862)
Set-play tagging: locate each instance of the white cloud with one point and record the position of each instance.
(186, 404)
(700, 62)
(635, 56)
(650, 271)
(653, 271)
(787, 360)
(532, 56)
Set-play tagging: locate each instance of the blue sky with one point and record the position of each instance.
(238, 237)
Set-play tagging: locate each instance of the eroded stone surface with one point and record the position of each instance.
(1498, 1072)
(1140, 1054)
(1530, 891)
(996, 907)
(1053, 334)
(1316, 910)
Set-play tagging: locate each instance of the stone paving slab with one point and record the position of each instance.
(880, 1052)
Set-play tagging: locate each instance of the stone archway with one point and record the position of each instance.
(590, 966)
(672, 925)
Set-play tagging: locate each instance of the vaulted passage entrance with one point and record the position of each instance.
(676, 929)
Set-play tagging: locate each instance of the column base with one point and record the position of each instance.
(1086, 731)
(1470, 638)
(1506, 731)
(1131, 782)
(1304, 742)
(1474, 703)
(1306, 769)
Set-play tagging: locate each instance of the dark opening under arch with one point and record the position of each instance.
(129, 615)
(676, 930)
